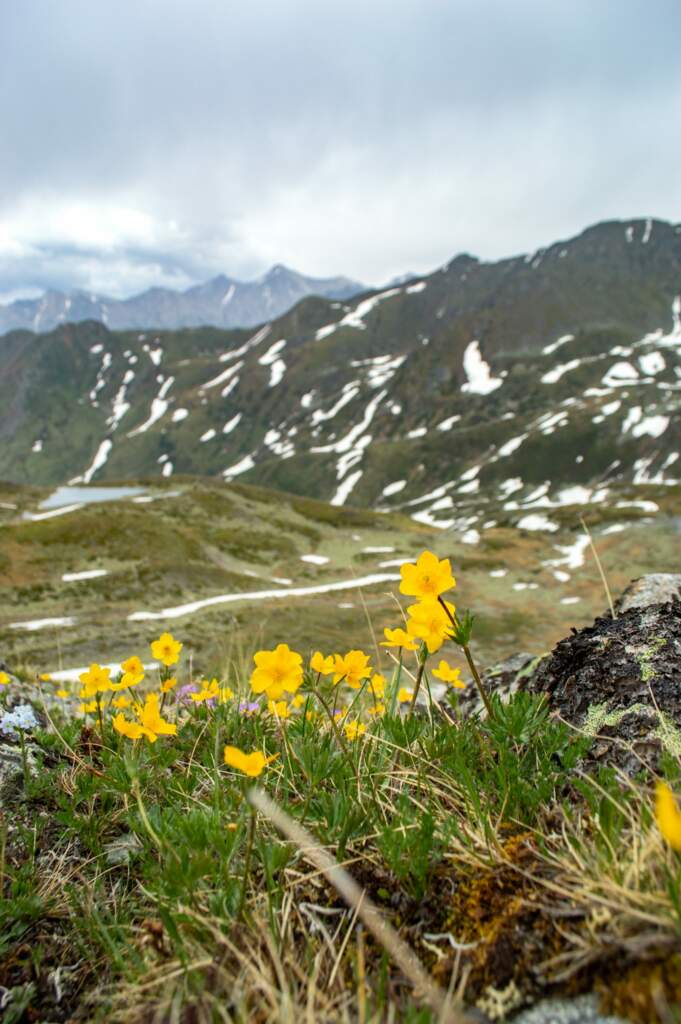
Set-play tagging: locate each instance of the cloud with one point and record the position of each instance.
(151, 142)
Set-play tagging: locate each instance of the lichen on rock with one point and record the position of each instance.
(619, 681)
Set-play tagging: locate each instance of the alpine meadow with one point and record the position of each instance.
(340, 606)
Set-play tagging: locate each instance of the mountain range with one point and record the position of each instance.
(485, 392)
(221, 302)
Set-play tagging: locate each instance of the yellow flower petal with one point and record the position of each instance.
(667, 815)
(351, 668)
(166, 649)
(399, 638)
(353, 730)
(277, 671)
(249, 764)
(318, 663)
(428, 578)
(449, 675)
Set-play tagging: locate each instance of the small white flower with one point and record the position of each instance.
(23, 718)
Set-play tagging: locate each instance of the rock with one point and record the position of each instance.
(582, 1010)
(122, 849)
(619, 681)
(11, 767)
(503, 679)
(656, 588)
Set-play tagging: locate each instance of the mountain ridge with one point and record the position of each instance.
(222, 301)
(483, 390)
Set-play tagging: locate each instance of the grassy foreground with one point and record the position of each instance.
(152, 864)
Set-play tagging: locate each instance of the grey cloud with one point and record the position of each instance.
(358, 138)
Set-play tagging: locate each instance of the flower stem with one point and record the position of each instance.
(332, 719)
(471, 664)
(417, 684)
(478, 682)
(247, 864)
(99, 716)
(24, 758)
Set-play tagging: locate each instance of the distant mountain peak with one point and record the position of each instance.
(222, 301)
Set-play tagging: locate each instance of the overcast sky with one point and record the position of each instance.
(165, 141)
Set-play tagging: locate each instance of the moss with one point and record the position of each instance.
(645, 992)
(598, 718)
(645, 659)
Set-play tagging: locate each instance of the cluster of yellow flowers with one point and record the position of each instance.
(279, 674)
(280, 671)
(148, 721)
(430, 620)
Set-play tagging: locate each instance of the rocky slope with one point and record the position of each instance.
(525, 386)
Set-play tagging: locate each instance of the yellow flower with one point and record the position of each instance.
(226, 694)
(277, 671)
(121, 702)
(298, 701)
(63, 694)
(151, 723)
(377, 685)
(133, 666)
(429, 578)
(168, 684)
(429, 622)
(377, 709)
(318, 663)
(449, 675)
(4, 679)
(95, 680)
(133, 673)
(354, 729)
(250, 764)
(152, 720)
(404, 695)
(399, 638)
(133, 730)
(352, 668)
(278, 708)
(166, 649)
(45, 677)
(667, 815)
(310, 716)
(209, 691)
(89, 708)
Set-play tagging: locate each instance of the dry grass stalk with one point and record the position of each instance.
(365, 910)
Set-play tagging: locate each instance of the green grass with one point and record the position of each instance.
(144, 874)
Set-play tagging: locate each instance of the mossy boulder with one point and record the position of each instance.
(619, 681)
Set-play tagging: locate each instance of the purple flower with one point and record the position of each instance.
(184, 691)
(249, 707)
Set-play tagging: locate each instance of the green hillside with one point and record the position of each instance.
(571, 354)
(197, 544)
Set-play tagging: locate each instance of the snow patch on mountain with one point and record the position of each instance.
(242, 466)
(159, 407)
(355, 318)
(99, 460)
(480, 380)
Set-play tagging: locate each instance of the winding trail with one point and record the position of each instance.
(263, 595)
